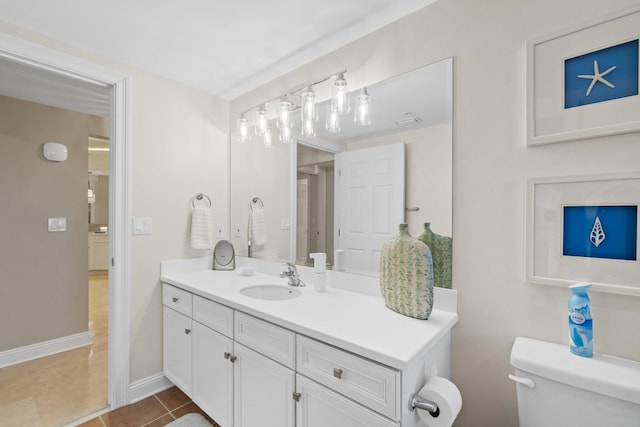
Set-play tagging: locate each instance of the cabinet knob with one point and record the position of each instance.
(233, 359)
(174, 299)
(337, 372)
(227, 355)
(187, 331)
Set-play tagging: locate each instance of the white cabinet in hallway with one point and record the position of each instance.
(98, 251)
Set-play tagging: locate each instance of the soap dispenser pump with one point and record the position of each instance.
(319, 271)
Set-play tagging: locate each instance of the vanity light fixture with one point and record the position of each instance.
(303, 98)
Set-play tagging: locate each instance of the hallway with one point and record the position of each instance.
(55, 390)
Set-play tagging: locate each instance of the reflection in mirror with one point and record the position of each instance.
(307, 209)
(98, 182)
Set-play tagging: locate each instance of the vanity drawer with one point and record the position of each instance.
(213, 315)
(176, 299)
(367, 382)
(273, 341)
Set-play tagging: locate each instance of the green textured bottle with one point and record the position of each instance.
(406, 275)
(441, 251)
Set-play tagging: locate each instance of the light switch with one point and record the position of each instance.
(56, 224)
(237, 230)
(284, 223)
(142, 225)
(219, 230)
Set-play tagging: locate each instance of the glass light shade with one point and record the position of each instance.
(362, 115)
(267, 136)
(333, 119)
(284, 109)
(309, 112)
(262, 120)
(340, 95)
(308, 128)
(285, 135)
(309, 106)
(243, 129)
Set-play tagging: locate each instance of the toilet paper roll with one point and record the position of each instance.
(446, 395)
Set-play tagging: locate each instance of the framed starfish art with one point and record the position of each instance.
(584, 229)
(583, 82)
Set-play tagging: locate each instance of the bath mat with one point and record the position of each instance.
(190, 420)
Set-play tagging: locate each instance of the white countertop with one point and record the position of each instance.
(353, 321)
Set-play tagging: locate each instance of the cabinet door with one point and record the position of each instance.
(263, 391)
(176, 350)
(320, 407)
(213, 374)
(101, 255)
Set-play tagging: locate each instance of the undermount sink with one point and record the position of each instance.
(270, 292)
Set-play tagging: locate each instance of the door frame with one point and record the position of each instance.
(50, 60)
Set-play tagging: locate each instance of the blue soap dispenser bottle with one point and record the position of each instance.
(580, 322)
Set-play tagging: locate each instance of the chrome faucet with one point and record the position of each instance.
(292, 274)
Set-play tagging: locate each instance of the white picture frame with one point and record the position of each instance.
(548, 121)
(545, 263)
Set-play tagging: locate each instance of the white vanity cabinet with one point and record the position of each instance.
(235, 385)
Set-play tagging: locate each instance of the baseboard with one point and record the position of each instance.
(45, 348)
(149, 386)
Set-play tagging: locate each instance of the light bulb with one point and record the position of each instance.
(285, 135)
(262, 120)
(267, 137)
(284, 114)
(340, 95)
(243, 128)
(333, 119)
(362, 115)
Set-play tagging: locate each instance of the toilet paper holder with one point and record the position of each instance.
(427, 405)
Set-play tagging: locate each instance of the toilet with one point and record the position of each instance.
(557, 388)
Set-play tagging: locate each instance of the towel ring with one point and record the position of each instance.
(200, 196)
(257, 201)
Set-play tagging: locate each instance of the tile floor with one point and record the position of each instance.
(56, 390)
(155, 411)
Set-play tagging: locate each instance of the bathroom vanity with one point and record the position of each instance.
(336, 358)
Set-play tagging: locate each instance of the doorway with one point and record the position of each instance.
(314, 203)
(115, 89)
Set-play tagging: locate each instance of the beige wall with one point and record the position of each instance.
(491, 161)
(43, 292)
(178, 147)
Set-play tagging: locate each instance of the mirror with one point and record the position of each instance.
(297, 182)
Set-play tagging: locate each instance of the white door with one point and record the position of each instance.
(263, 391)
(213, 374)
(320, 407)
(302, 220)
(176, 330)
(369, 202)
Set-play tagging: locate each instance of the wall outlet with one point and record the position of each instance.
(237, 230)
(219, 230)
(284, 223)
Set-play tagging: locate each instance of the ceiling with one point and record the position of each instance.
(225, 48)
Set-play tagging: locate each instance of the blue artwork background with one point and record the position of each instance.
(620, 226)
(624, 77)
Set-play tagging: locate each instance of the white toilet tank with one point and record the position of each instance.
(557, 388)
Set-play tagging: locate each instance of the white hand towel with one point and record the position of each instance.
(201, 228)
(257, 227)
